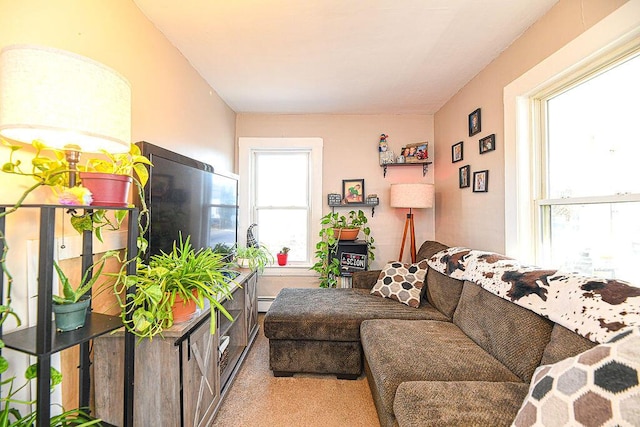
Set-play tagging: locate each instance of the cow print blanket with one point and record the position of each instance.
(592, 307)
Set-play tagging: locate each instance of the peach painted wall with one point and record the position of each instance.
(172, 105)
(351, 151)
(477, 219)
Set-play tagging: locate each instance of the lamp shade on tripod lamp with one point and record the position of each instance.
(67, 101)
(411, 196)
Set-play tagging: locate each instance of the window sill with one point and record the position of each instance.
(289, 271)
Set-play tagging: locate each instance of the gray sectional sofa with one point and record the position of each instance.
(464, 357)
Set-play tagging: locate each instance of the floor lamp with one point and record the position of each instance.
(412, 196)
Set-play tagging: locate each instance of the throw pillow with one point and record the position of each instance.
(597, 387)
(401, 282)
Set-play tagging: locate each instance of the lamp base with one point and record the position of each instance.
(408, 225)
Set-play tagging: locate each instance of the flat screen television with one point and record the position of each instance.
(187, 196)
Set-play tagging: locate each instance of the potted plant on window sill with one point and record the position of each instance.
(282, 256)
(254, 257)
(334, 225)
(184, 275)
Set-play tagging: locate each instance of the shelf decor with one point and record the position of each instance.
(353, 191)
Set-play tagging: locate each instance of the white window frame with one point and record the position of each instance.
(611, 37)
(247, 146)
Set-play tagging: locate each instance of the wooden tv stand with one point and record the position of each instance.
(179, 380)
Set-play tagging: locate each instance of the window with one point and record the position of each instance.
(588, 202)
(281, 191)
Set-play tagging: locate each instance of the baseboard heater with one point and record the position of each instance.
(264, 303)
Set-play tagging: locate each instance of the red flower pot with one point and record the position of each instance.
(107, 189)
(282, 258)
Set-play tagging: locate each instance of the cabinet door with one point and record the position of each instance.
(201, 390)
(251, 303)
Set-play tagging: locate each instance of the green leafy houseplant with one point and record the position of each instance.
(167, 275)
(254, 257)
(11, 416)
(71, 295)
(50, 168)
(327, 264)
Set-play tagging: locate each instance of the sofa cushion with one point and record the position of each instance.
(443, 292)
(428, 248)
(597, 387)
(458, 403)
(512, 334)
(402, 282)
(413, 350)
(563, 344)
(333, 314)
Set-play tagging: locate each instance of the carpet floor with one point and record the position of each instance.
(257, 398)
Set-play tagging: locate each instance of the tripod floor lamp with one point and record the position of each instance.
(412, 196)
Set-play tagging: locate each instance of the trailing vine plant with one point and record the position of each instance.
(328, 264)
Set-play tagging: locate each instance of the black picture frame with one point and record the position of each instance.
(457, 152)
(464, 176)
(353, 191)
(488, 143)
(475, 124)
(481, 181)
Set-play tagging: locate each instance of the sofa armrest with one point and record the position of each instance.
(365, 279)
(458, 403)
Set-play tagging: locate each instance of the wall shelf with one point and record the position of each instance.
(425, 167)
(355, 205)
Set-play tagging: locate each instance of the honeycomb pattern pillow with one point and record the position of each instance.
(401, 282)
(596, 388)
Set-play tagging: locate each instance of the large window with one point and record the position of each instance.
(588, 201)
(281, 187)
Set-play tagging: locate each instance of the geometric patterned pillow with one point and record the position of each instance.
(597, 387)
(401, 282)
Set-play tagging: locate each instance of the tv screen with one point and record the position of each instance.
(185, 196)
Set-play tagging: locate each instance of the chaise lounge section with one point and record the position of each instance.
(465, 356)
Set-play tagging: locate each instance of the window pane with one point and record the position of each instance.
(281, 179)
(593, 135)
(284, 227)
(598, 239)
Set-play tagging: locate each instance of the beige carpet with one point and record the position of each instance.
(257, 398)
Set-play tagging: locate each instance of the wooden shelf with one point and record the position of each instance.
(425, 167)
(356, 205)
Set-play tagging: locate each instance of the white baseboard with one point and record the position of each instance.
(264, 303)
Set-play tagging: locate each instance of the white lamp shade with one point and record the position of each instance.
(63, 99)
(415, 196)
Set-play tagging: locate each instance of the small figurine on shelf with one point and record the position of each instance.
(386, 155)
(382, 145)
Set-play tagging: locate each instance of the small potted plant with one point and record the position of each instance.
(70, 308)
(183, 277)
(334, 226)
(254, 257)
(283, 255)
(117, 171)
(50, 168)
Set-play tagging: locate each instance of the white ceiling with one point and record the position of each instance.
(341, 56)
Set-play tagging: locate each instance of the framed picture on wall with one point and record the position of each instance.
(488, 143)
(416, 153)
(481, 181)
(456, 152)
(474, 122)
(465, 176)
(353, 190)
